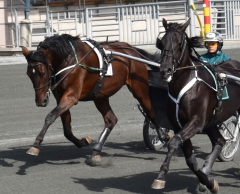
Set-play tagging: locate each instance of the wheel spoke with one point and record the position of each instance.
(228, 130)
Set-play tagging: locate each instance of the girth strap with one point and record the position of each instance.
(107, 59)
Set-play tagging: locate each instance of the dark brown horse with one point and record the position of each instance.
(195, 105)
(73, 66)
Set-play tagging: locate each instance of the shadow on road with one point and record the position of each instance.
(141, 183)
(176, 181)
(64, 153)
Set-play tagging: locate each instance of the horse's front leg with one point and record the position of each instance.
(182, 139)
(67, 128)
(173, 145)
(64, 105)
(110, 121)
(189, 130)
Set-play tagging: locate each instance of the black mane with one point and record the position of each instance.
(59, 44)
(36, 56)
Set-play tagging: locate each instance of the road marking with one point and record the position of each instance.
(26, 139)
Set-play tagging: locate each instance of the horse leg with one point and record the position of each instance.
(110, 121)
(189, 130)
(191, 161)
(66, 121)
(64, 105)
(217, 144)
(173, 145)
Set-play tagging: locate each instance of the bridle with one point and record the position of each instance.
(72, 67)
(49, 78)
(165, 52)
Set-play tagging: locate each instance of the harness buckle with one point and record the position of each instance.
(222, 79)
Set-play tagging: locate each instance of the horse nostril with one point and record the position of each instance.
(45, 101)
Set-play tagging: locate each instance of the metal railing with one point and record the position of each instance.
(13, 21)
(137, 24)
(225, 18)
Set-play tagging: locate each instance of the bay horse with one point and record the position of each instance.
(195, 105)
(73, 66)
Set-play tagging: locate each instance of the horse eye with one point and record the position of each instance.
(43, 74)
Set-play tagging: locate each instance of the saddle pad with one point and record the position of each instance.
(100, 59)
(225, 94)
(225, 91)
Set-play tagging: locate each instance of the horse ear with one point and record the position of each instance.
(185, 25)
(164, 22)
(25, 51)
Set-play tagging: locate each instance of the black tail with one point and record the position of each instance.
(155, 57)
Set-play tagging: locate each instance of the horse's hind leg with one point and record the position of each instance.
(110, 121)
(191, 161)
(217, 144)
(66, 121)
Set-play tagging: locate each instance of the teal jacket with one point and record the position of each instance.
(214, 58)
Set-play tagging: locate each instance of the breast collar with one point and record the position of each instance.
(188, 86)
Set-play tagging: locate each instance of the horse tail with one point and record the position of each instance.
(155, 57)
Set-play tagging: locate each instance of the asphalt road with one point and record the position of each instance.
(128, 167)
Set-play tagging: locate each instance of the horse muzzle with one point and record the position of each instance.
(166, 75)
(43, 102)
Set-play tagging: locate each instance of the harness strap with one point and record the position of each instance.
(186, 88)
(64, 69)
(75, 55)
(106, 60)
(181, 93)
(72, 66)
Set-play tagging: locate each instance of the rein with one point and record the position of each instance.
(72, 67)
(193, 81)
(189, 67)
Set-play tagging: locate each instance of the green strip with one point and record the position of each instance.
(74, 51)
(213, 77)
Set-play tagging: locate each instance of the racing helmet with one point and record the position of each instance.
(214, 37)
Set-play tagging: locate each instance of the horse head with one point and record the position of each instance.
(39, 73)
(172, 46)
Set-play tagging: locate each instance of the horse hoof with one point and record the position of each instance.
(215, 188)
(33, 151)
(170, 135)
(94, 161)
(158, 184)
(88, 139)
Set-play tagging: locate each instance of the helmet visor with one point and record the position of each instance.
(212, 43)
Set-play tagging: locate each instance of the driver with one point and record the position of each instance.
(214, 44)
